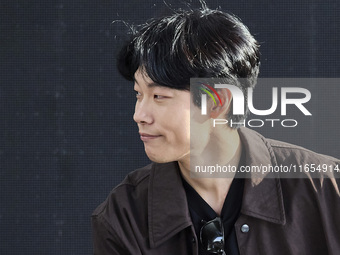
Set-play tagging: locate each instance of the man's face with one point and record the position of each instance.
(163, 118)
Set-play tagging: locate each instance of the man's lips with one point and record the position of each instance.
(147, 137)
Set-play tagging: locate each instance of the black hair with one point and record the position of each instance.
(200, 43)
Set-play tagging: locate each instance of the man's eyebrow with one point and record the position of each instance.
(152, 84)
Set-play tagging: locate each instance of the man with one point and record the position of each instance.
(161, 209)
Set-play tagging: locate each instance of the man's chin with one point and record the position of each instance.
(157, 158)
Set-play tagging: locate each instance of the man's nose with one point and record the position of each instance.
(143, 113)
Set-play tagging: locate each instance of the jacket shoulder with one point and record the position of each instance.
(134, 185)
(123, 213)
(304, 163)
(284, 150)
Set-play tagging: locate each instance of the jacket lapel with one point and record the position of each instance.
(168, 208)
(262, 192)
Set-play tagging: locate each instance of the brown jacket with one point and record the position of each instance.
(148, 213)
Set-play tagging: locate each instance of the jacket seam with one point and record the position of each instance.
(280, 194)
(277, 183)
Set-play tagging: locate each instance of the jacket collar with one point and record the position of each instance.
(167, 202)
(168, 207)
(262, 196)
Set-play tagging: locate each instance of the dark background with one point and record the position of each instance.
(66, 130)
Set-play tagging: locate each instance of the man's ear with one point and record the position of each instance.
(226, 98)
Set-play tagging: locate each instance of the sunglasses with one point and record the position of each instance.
(212, 236)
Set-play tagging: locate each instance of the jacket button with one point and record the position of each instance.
(193, 240)
(245, 228)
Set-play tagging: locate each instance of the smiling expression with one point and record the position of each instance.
(163, 118)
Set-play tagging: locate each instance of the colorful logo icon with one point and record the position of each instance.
(208, 92)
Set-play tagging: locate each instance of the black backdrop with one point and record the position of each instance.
(67, 135)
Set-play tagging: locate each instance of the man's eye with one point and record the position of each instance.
(159, 97)
(138, 94)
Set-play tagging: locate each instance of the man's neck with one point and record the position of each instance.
(227, 151)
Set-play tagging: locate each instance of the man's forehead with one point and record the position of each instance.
(141, 75)
(141, 78)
